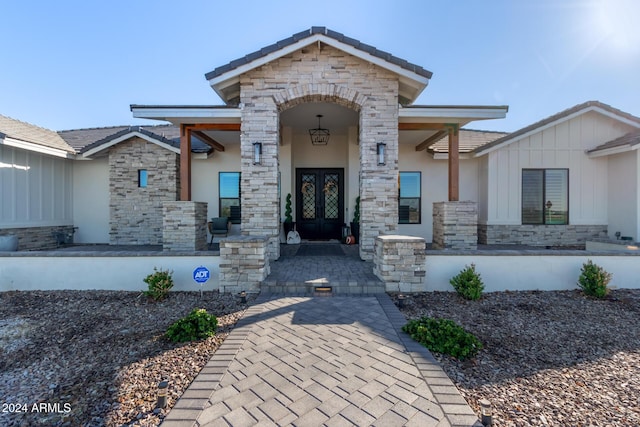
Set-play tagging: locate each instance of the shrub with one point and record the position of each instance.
(196, 326)
(594, 280)
(443, 336)
(468, 283)
(287, 210)
(160, 283)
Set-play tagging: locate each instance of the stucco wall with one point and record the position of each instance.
(623, 194)
(559, 146)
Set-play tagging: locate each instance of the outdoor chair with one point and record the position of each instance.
(218, 226)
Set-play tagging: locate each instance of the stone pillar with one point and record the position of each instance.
(455, 225)
(184, 226)
(400, 261)
(259, 182)
(244, 263)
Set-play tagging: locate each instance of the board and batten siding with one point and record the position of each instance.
(36, 190)
(562, 145)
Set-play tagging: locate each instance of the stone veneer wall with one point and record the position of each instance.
(399, 261)
(135, 214)
(540, 235)
(455, 225)
(244, 263)
(319, 74)
(37, 238)
(185, 226)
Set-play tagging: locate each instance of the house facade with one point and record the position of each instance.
(561, 181)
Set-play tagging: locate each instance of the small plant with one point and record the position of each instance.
(468, 283)
(160, 283)
(287, 210)
(443, 336)
(594, 280)
(197, 325)
(356, 211)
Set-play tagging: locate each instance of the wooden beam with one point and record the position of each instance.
(431, 140)
(454, 164)
(423, 126)
(185, 163)
(214, 126)
(208, 140)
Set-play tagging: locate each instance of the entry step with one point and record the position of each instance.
(325, 289)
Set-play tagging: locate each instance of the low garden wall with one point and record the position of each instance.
(28, 271)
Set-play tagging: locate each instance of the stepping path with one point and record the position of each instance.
(334, 361)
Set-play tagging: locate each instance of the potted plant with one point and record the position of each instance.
(288, 223)
(355, 223)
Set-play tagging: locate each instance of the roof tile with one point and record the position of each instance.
(33, 134)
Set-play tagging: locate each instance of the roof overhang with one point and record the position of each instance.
(102, 147)
(29, 146)
(614, 150)
(451, 114)
(187, 114)
(227, 85)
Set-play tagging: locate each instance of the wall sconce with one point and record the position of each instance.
(257, 153)
(382, 147)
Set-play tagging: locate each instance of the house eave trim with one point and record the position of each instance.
(92, 152)
(187, 114)
(460, 113)
(614, 150)
(42, 149)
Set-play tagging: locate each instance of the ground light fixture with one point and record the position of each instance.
(319, 135)
(401, 299)
(163, 387)
(381, 149)
(243, 297)
(485, 411)
(257, 153)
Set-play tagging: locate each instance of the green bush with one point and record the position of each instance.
(443, 336)
(287, 210)
(594, 280)
(468, 283)
(160, 283)
(197, 325)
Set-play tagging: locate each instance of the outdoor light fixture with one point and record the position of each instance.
(257, 153)
(382, 147)
(485, 411)
(162, 394)
(243, 297)
(319, 136)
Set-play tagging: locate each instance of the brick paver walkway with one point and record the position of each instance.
(330, 361)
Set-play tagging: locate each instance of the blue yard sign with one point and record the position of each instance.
(201, 274)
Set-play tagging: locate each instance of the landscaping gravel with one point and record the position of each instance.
(94, 358)
(549, 358)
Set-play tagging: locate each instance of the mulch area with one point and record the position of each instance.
(549, 358)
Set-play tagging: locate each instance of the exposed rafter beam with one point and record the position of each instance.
(423, 126)
(215, 126)
(431, 140)
(208, 140)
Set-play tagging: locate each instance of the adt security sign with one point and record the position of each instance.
(201, 274)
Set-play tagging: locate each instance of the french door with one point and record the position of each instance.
(320, 203)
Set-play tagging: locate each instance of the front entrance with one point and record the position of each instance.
(320, 203)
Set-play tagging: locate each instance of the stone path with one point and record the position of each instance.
(331, 361)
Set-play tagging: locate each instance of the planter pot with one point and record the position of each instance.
(355, 231)
(8, 243)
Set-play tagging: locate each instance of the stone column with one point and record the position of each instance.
(455, 225)
(400, 261)
(259, 182)
(244, 263)
(184, 226)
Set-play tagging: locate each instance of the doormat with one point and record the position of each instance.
(320, 250)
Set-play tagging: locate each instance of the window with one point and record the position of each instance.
(229, 183)
(545, 196)
(142, 178)
(409, 201)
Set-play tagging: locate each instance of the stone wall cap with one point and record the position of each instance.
(399, 238)
(245, 239)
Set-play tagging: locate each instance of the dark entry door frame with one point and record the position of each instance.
(320, 202)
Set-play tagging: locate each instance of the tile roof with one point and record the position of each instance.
(469, 140)
(559, 116)
(83, 140)
(631, 139)
(33, 134)
(328, 33)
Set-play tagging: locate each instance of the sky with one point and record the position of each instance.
(79, 64)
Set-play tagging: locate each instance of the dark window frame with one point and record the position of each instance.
(143, 178)
(221, 199)
(543, 171)
(419, 198)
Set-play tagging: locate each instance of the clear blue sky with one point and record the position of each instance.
(75, 64)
